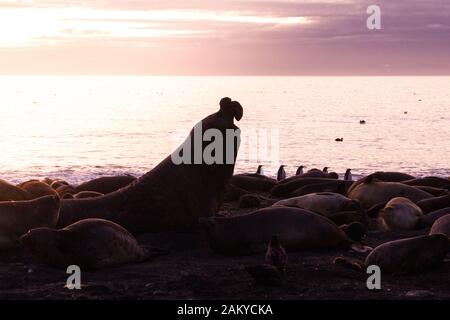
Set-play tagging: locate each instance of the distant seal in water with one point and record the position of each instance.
(17, 217)
(37, 189)
(91, 244)
(442, 225)
(371, 192)
(106, 185)
(401, 213)
(404, 256)
(87, 194)
(433, 204)
(428, 219)
(10, 192)
(281, 175)
(297, 229)
(324, 203)
(171, 197)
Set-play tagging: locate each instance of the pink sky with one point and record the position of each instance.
(223, 37)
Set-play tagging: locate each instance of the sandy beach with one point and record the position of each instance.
(193, 271)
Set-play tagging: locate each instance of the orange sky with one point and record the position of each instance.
(223, 37)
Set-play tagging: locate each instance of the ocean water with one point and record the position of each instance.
(81, 127)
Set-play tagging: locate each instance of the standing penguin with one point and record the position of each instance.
(348, 175)
(276, 255)
(281, 175)
(325, 169)
(299, 170)
(260, 170)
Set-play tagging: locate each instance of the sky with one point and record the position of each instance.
(223, 37)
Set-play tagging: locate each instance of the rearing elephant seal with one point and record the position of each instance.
(297, 229)
(325, 203)
(90, 244)
(17, 217)
(171, 197)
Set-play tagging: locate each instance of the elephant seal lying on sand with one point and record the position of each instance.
(106, 184)
(442, 225)
(17, 217)
(433, 204)
(297, 229)
(401, 213)
(325, 203)
(371, 192)
(171, 197)
(90, 244)
(405, 256)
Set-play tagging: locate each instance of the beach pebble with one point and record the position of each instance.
(419, 294)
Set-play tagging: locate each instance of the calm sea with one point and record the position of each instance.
(78, 128)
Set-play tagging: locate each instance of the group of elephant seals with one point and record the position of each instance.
(401, 213)
(325, 203)
(404, 256)
(372, 191)
(171, 197)
(298, 230)
(17, 217)
(91, 244)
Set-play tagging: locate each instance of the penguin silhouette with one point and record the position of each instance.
(281, 175)
(276, 255)
(299, 170)
(348, 175)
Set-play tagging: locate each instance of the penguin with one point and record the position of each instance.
(348, 175)
(260, 170)
(276, 255)
(299, 170)
(281, 175)
(325, 169)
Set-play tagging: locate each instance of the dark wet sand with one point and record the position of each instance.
(192, 271)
